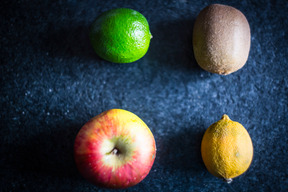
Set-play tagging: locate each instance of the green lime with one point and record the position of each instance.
(120, 35)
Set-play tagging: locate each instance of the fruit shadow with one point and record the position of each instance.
(182, 151)
(171, 46)
(69, 42)
(49, 153)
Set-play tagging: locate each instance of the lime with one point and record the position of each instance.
(120, 35)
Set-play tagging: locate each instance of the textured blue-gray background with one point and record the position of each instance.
(52, 83)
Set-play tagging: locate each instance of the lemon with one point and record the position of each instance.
(120, 35)
(227, 149)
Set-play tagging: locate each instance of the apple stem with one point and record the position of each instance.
(115, 151)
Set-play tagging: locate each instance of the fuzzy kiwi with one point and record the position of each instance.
(221, 39)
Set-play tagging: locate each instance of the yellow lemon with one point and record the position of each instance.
(227, 149)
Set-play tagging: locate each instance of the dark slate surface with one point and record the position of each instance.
(52, 83)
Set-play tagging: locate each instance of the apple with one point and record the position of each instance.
(115, 149)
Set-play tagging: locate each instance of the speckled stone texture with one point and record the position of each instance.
(52, 83)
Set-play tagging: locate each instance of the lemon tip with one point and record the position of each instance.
(225, 117)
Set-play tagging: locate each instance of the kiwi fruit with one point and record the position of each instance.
(221, 39)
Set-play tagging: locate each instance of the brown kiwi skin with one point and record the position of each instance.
(221, 39)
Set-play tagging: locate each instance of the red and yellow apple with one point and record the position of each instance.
(115, 149)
